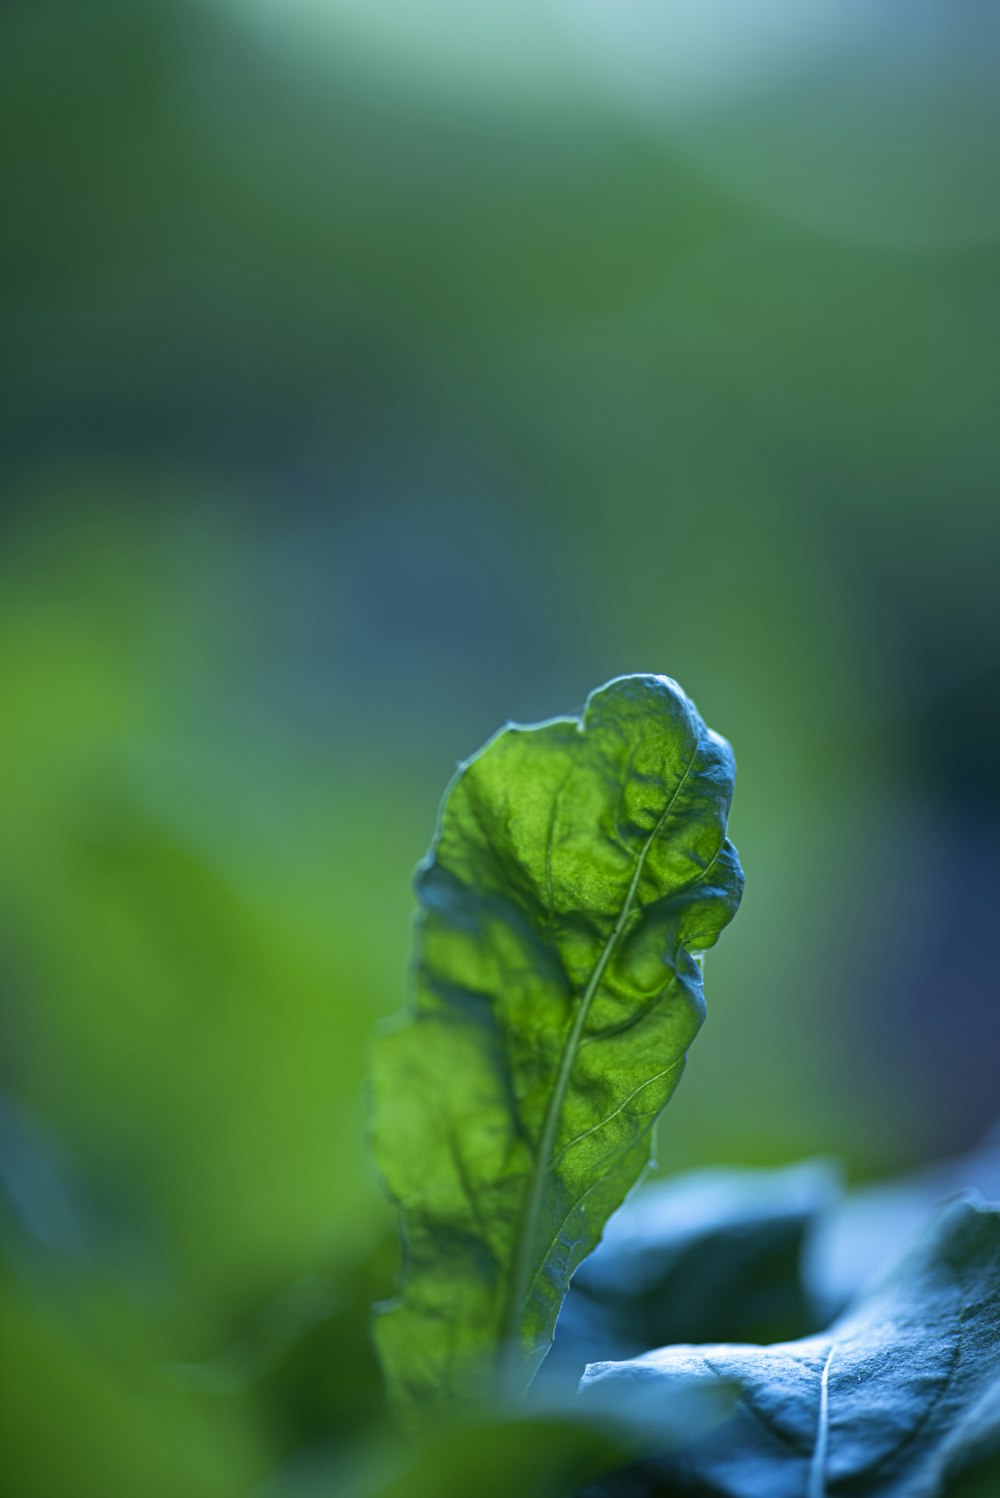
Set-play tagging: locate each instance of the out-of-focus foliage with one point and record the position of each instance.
(363, 385)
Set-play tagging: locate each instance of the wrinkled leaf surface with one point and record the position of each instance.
(578, 868)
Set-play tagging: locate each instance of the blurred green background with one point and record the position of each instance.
(373, 374)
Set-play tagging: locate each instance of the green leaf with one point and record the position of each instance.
(896, 1397)
(578, 868)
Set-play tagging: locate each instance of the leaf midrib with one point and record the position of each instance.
(523, 1276)
(817, 1466)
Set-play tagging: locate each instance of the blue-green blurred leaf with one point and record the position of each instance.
(886, 1402)
(710, 1256)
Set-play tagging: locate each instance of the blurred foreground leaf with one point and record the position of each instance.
(578, 868)
(532, 1458)
(553, 1452)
